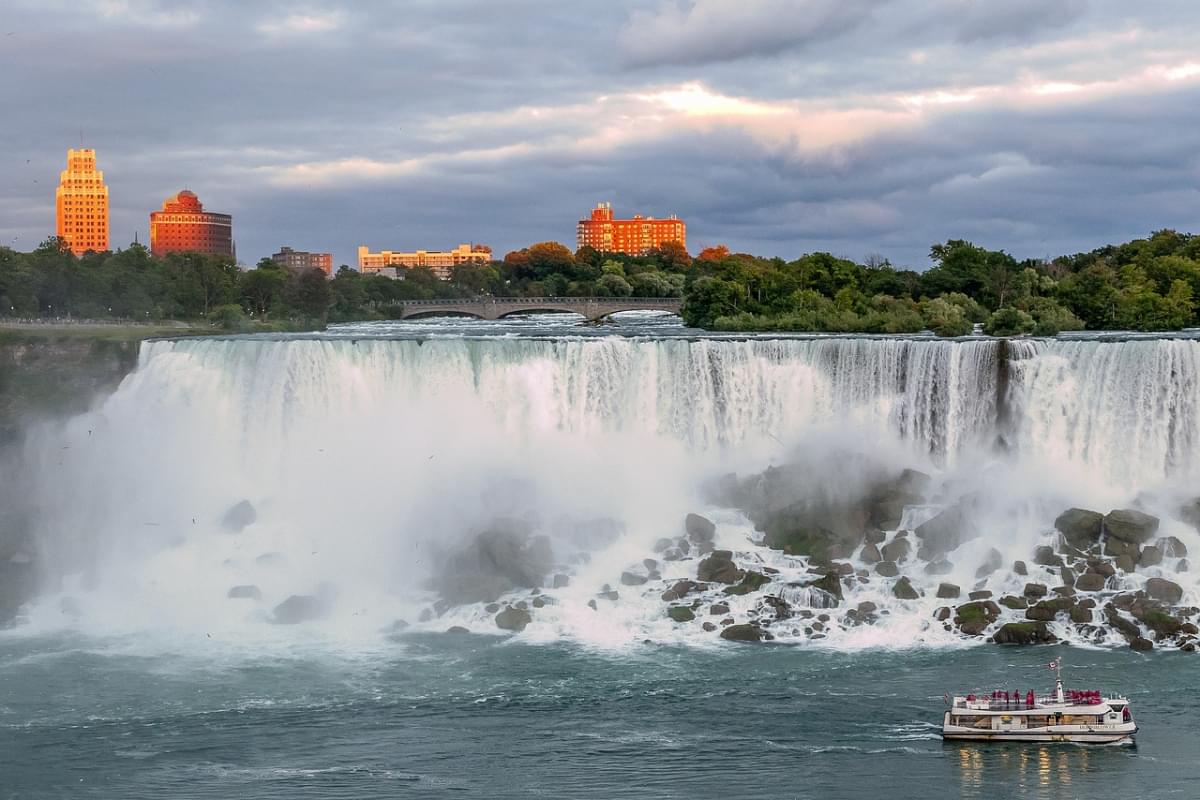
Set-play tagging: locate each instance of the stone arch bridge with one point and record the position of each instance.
(491, 308)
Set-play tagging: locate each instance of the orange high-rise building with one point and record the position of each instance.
(183, 226)
(82, 204)
(634, 237)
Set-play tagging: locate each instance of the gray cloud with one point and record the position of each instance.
(983, 19)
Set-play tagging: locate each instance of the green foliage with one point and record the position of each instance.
(945, 318)
(1009, 321)
(229, 316)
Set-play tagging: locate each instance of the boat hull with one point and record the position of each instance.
(1109, 735)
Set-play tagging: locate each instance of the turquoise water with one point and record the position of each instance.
(475, 716)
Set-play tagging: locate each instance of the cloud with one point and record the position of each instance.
(707, 31)
(302, 24)
(995, 19)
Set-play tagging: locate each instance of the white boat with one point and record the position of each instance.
(1064, 716)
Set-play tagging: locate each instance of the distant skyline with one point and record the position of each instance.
(776, 127)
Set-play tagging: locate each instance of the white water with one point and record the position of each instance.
(367, 458)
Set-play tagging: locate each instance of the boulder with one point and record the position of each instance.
(709, 627)
(681, 614)
(662, 545)
(1024, 633)
(632, 579)
(1129, 525)
(1080, 527)
(981, 594)
(500, 559)
(939, 567)
(948, 591)
(718, 567)
(945, 532)
(1019, 568)
(751, 582)
(888, 501)
(1067, 575)
(897, 550)
(973, 628)
(991, 562)
(1124, 563)
(1090, 582)
(1015, 603)
(942, 614)
(1045, 556)
(866, 607)
(300, 608)
(699, 529)
(717, 609)
(1140, 644)
(1164, 590)
(1171, 547)
(983, 612)
(831, 584)
(875, 536)
(903, 590)
(457, 629)
(1036, 590)
(1151, 557)
(680, 590)
(870, 554)
(797, 539)
(513, 619)
(246, 592)
(887, 569)
(1103, 568)
(561, 581)
(239, 517)
(742, 633)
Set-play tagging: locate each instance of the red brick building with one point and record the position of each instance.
(298, 260)
(634, 237)
(183, 226)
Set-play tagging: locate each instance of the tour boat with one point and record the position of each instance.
(1084, 716)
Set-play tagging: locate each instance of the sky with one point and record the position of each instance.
(776, 127)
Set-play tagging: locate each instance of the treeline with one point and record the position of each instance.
(132, 284)
(1146, 284)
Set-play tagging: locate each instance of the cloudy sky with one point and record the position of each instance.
(774, 126)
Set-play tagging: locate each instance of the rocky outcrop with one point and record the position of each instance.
(681, 614)
(505, 557)
(945, 532)
(300, 608)
(831, 584)
(897, 550)
(700, 530)
(1024, 633)
(239, 516)
(948, 591)
(742, 633)
(1080, 527)
(1130, 525)
(680, 590)
(751, 582)
(1164, 590)
(903, 590)
(1089, 582)
(513, 619)
(718, 567)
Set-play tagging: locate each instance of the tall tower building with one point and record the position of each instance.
(82, 204)
(183, 226)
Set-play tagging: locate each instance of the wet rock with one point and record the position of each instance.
(425, 615)
(875, 536)
(699, 529)
(632, 579)
(1023, 633)
(1080, 527)
(1172, 547)
(842, 568)
(1123, 626)
(239, 517)
(870, 554)
(1045, 556)
(1015, 603)
(662, 545)
(1035, 590)
(742, 633)
(1067, 575)
(778, 606)
(939, 567)
(974, 628)
(1124, 563)
(903, 590)
(561, 581)
(942, 614)
(492, 608)
(681, 614)
(867, 607)
(717, 609)
(897, 550)
(1042, 612)
(1104, 568)
(1064, 591)
(1164, 590)
(500, 559)
(1182, 566)
(888, 501)
(457, 629)
(887, 569)
(981, 594)
(709, 627)
(945, 532)
(592, 605)
(1117, 548)
(751, 582)
(672, 555)
(1019, 568)
(718, 567)
(1151, 557)
(513, 619)
(831, 584)
(1129, 525)
(1090, 582)
(300, 608)
(993, 561)
(1140, 644)
(609, 594)
(1080, 615)
(246, 592)
(948, 591)
(680, 590)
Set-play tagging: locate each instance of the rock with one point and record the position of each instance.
(742, 633)
(1129, 525)
(1024, 633)
(1080, 615)
(777, 605)
(632, 579)
(247, 592)
(513, 619)
(680, 590)
(1124, 563)
(897, 550)
(887, 569)
(903, 590)
(1064, 591)
(717, 609)
(1015, 603)
(942, 614)
(948, 591)
(798, 538)
(1151, 557)
(1046, 556)
(1164, 590)
(887, 504)
(1036, 590)
(672, 555)
(939, 567)
(239, 517)
(662, 545)
(1019, 568)
(457, 629)
(1140, 644)
(718, 567)
(1103, 568)
(699, 529)
(875, 536)
(1067, 575)
(982, 594)
(1080, 527)
(592, 605)
(1119, 547)
(991, 562)
(870, 554)
(831, 584)
(1042, 612)
(500, 559)
(1171, 547)
(681, 614)
(300, 608)
(867, 607)
(492, 608)
(1182, 566)
(609, 594)
(1090, 582)
(1163, 624)
(974, 628)
(751, 582)
(1123, 626)
(561, 581)
(425, 615)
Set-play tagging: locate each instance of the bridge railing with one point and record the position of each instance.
(525, 301)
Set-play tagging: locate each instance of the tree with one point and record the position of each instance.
(613, 285)
(672, 256)
(945, 318)
(1009, 321)
(262, 288)
(309, 293)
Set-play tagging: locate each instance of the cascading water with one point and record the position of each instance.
(371, 461)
